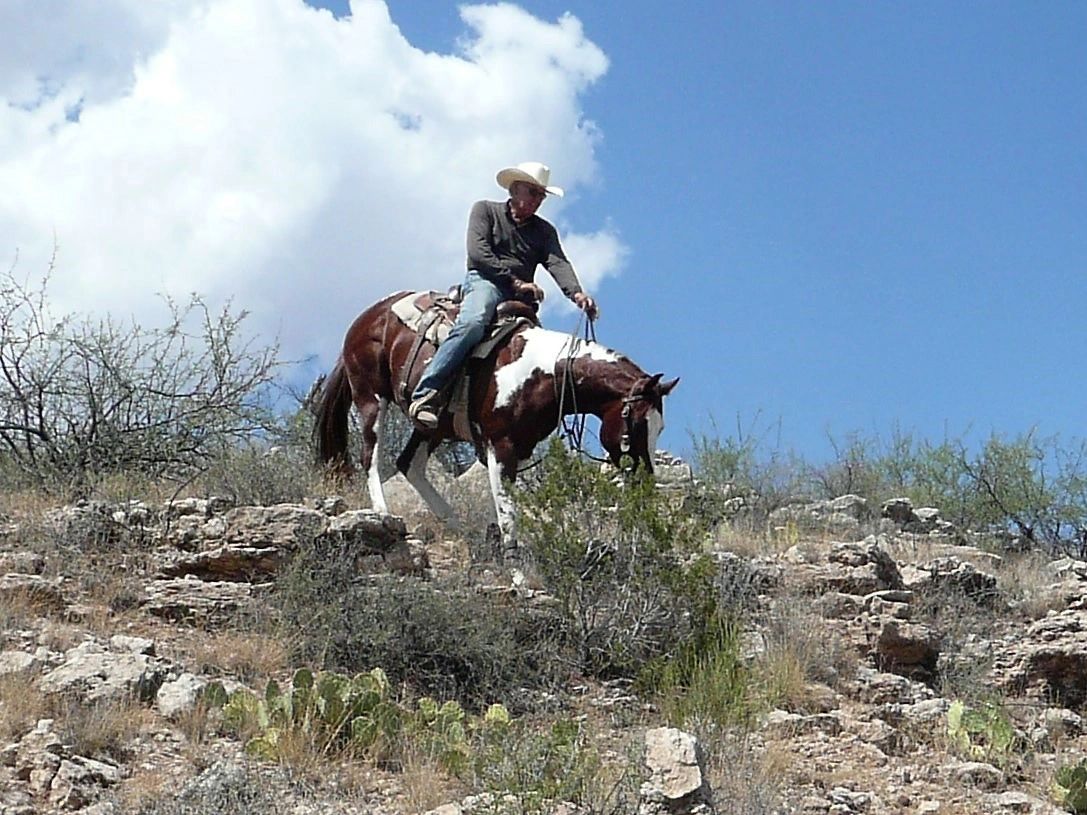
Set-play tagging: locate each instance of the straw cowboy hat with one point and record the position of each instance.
(529, 171)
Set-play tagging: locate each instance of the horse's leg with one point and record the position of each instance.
(412, 463)
(499, 473)
(372, 414)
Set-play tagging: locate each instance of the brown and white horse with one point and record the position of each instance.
(515, 400)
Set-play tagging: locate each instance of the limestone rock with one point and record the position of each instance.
(232, 561)
(21, 563)
(13, 662)
(197, 602)
(180, 695)
(93, 673)
(282, 526)
(33, 590)
(677, 780)
(1051, 657)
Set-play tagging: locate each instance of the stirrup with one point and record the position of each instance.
(424, 412)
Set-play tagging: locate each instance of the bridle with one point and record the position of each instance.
(574, 430)
(628, 422)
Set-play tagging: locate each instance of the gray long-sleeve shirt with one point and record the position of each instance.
(500, 249)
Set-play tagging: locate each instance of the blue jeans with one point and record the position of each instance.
(480, 300)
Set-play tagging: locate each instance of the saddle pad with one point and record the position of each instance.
(408, 312)
(411, 315)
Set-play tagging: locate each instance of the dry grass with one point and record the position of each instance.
(1025, 581)
(250, 657)
(104, 728)
(749, 541)
(803, 647)
(425, 786)
(21, 705)
(745, 779)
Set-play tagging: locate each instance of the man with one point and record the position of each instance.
(506, 242)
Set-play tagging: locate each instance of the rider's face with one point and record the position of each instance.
(525, 199)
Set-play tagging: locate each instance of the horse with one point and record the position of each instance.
(517, 396)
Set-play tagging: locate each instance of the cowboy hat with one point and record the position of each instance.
(531, 172)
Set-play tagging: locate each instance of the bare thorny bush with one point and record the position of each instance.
(82, 398)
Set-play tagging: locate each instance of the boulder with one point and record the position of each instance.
(677, 780)
(93, 673)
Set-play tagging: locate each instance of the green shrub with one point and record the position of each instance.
(704, 682)
(443, 639)
(743, 465)
(625, 567)
(527, 769)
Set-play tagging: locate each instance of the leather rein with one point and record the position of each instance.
(574, 429)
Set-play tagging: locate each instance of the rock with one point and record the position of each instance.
(783, 725)
(840, 517)
(188, 507)
(952, 573)
(37, 756)
(901, 647)
(282, 526)
(1051, 657)
(180, 695)
(977, 773)
(197, 602)
(134, 645)
(1062, 722)
(78, 780)
(899, 510)
(677, 780)
(92, 673)
(13, 662)
(232, 561)
(34, 591)
(21, 563)
(880, 688)
(367, 530)
(1014, 801)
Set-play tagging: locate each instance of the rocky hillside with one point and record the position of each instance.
(937, 674)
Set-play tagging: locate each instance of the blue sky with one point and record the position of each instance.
(843, 216)
(824, 217)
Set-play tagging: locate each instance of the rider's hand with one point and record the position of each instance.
(586, 304)
(531, 289)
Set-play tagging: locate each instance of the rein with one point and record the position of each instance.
(574, 429)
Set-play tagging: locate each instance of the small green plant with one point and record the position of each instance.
(329, 710)
(534, 767)
(332, 712)
(984, 732)
(1070, 787)
(705, 681)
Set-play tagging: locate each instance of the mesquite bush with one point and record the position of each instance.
(82, 398)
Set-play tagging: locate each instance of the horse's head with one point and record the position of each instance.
(632, 425)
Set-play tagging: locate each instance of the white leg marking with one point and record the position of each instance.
(373, 478)
(503, 504)
(416, 476)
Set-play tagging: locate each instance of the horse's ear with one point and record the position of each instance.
(666, 388)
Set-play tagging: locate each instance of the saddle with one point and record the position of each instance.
(431, 316)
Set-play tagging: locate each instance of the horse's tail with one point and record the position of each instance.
(331, 410)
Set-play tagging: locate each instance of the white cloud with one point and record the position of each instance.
(265, 151)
